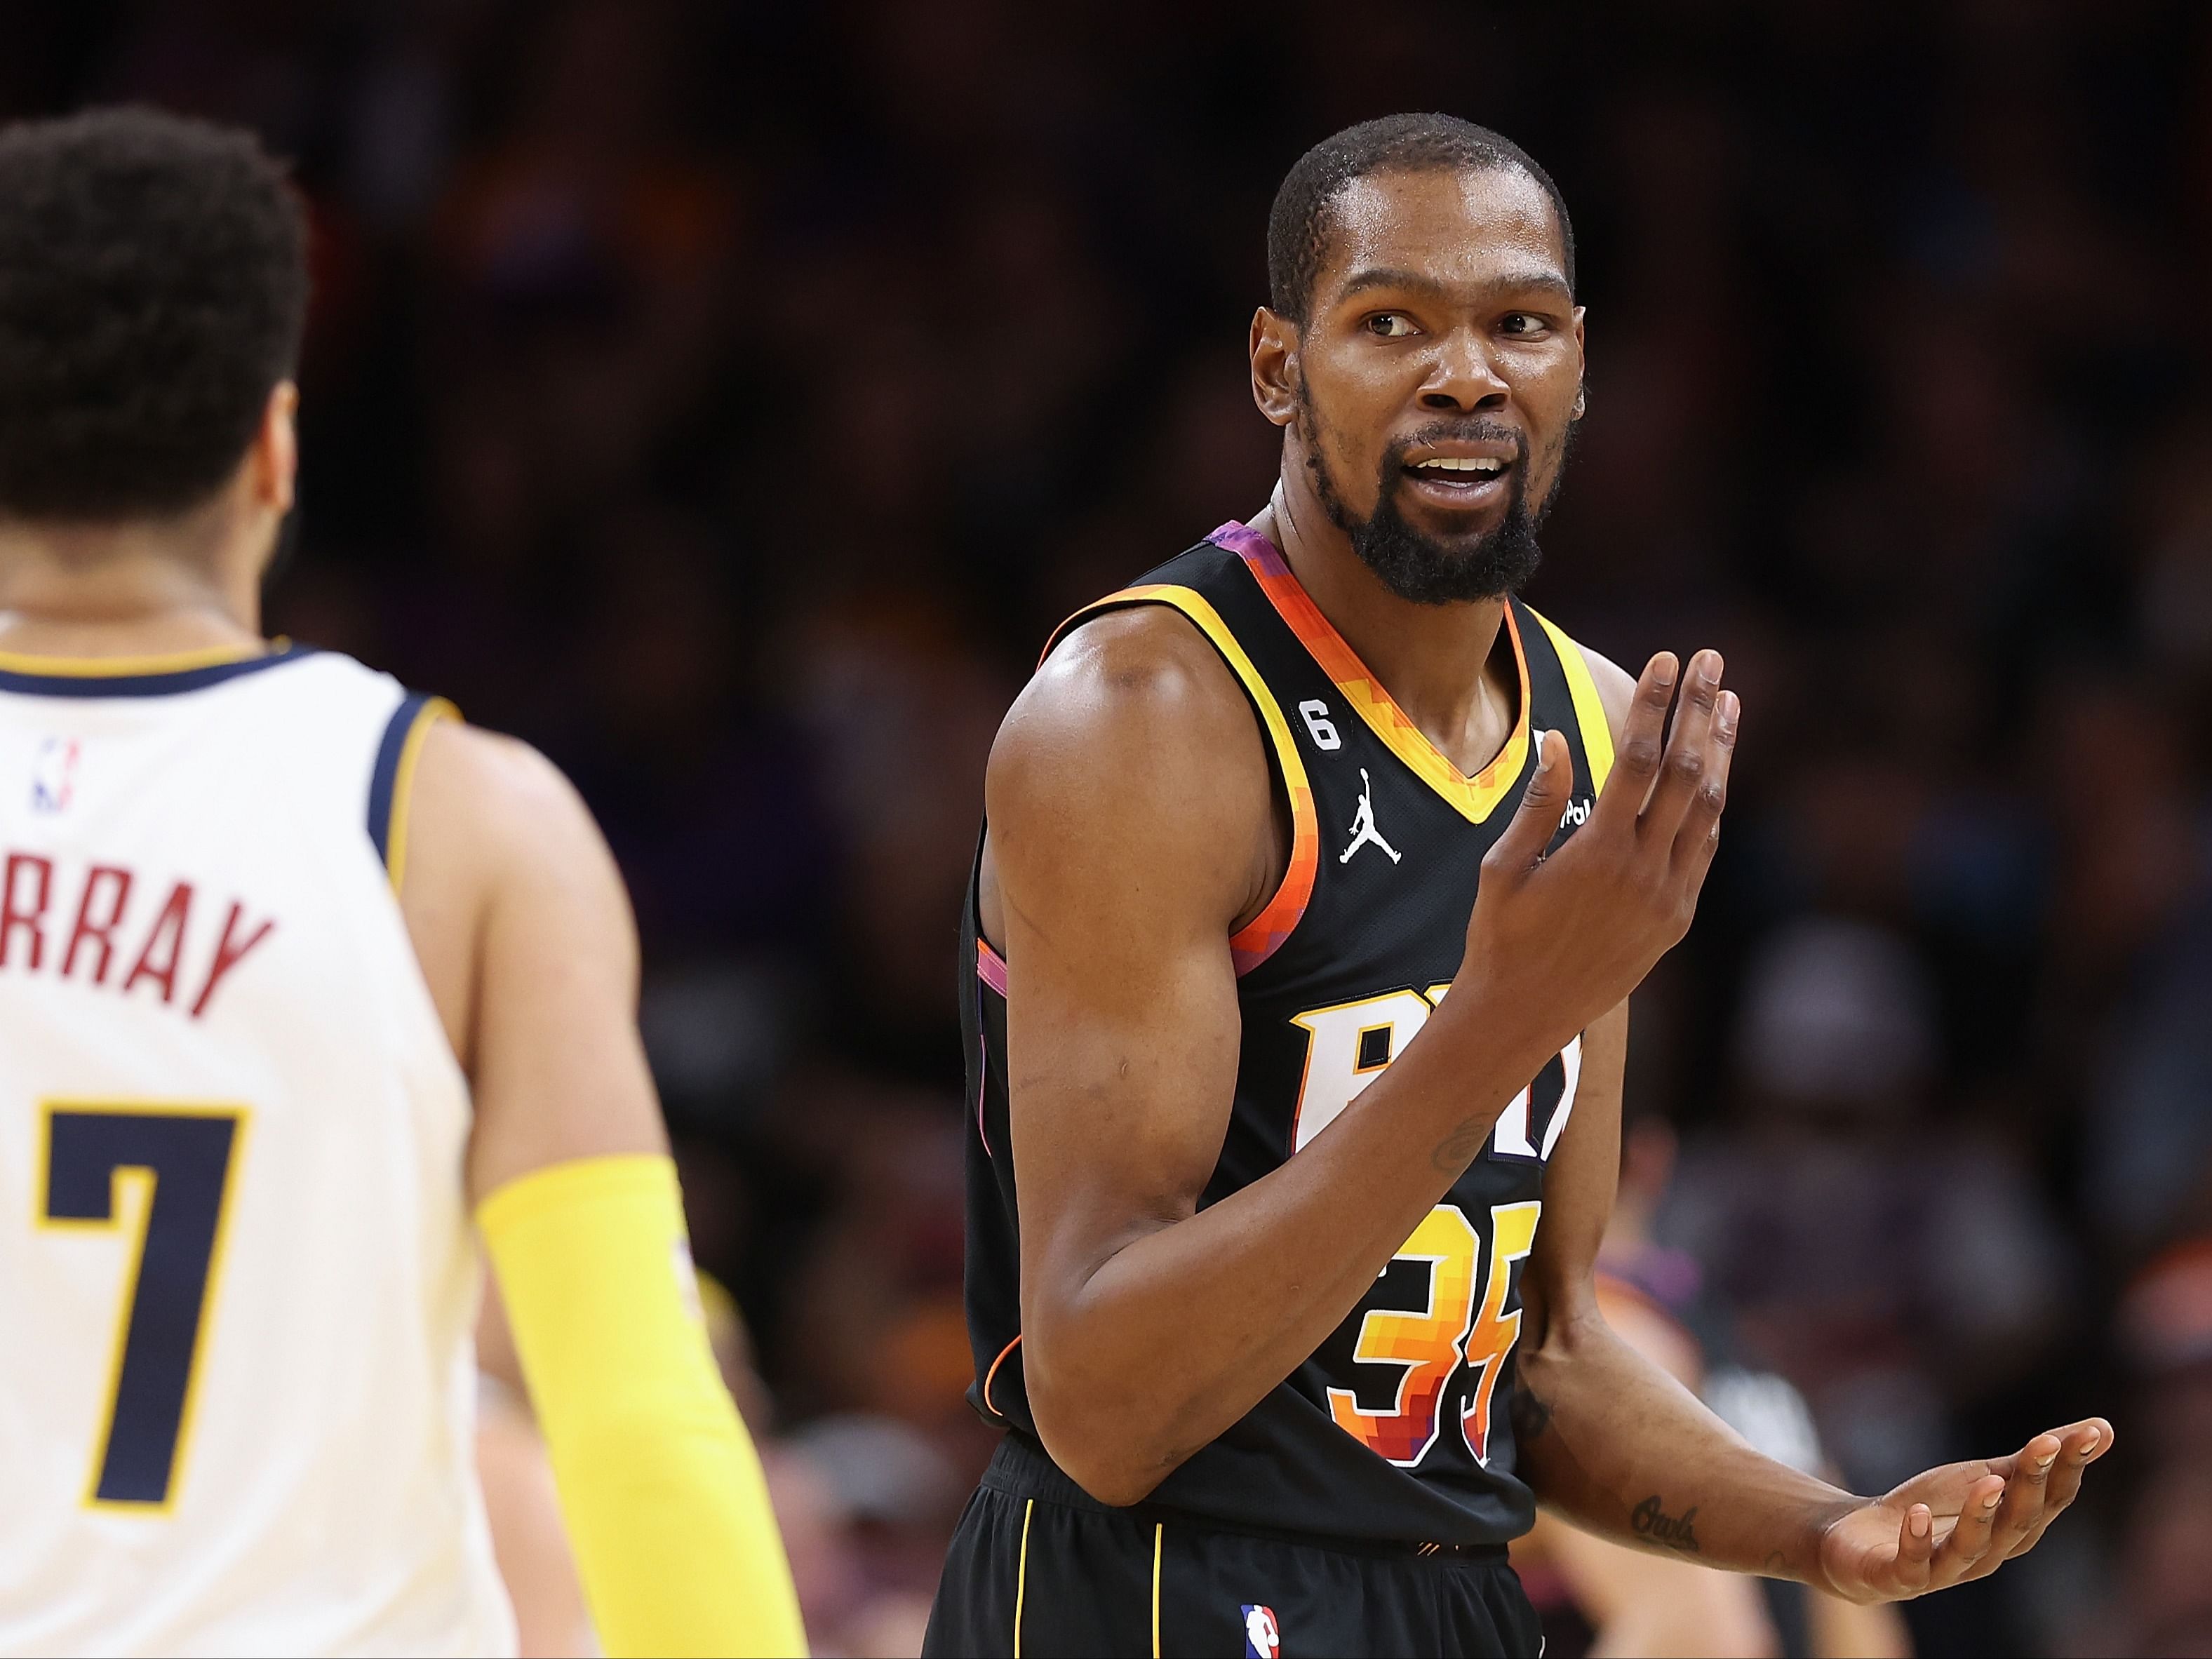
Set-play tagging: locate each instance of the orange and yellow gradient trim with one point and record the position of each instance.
(1475, 798)
(1261, 937)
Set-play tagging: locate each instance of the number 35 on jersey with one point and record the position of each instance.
(1464, 1319)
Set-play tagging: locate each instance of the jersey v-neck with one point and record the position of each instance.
(1475, 798)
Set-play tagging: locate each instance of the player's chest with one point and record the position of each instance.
(1310, 1050)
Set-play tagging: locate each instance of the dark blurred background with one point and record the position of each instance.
(729, 398)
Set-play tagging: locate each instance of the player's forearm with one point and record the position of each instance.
(1615, 1444)
(676, 1544)
(1137, 1358)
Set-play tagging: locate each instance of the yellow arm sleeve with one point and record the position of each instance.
(667, 1511)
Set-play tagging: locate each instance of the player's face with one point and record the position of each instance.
(1437, 377)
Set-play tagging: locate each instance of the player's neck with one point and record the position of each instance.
(1436, 661)
(125, 590)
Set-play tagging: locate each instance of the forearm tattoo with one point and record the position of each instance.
(1653, 1524)
(1457, 1150)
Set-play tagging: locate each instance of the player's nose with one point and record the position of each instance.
(1463, 377)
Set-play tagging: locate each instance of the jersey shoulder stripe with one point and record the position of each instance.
(1589, 709)
(392, 780)
(1264, 935)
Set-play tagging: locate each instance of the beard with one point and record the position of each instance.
(1426, 569)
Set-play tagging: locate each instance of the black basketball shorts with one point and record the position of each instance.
(1039, 1570)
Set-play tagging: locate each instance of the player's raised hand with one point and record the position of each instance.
(1577, 931)
(1959, 1521)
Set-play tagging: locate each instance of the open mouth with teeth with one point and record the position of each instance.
(1455, 469)
(1461, 483)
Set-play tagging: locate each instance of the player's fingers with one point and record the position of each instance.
(1642, 744)
(2024, 1491)
(1970, 1550)
(1689, 753)
(1542, 805)
(1699, 835)
(2083, 1442)
(2078, 1446)
(1915, 1544)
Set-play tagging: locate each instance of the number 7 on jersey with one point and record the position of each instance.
(181, 1158)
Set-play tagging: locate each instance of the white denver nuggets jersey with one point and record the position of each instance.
(237, 1282)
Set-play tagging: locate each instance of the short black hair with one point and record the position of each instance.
(1299, 227)
(153, 291)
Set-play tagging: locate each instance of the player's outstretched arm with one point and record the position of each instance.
(1613, 1442)
(1130, 820)
(526, 935)
(1643, 1603)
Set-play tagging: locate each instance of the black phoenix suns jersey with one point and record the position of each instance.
(1397, 1427)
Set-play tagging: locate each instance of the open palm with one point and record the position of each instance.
(1959, 1521)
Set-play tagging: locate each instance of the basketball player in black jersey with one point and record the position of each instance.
(1318, 871)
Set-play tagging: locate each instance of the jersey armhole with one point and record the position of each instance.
(1589, 708)
(392, 781)
(1261, 937)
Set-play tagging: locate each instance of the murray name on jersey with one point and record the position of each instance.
(106, 926)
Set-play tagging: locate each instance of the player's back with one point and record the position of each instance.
(238, 1281)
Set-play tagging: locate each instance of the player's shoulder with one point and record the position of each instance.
(494, 821)
(1133, 718)
(495, 792)
(505, 774)
(496, 835)
(1136, 658)
(1140, 682)
(1616, 688)
(1615, 685)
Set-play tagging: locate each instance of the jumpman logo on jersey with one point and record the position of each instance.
(1364, 831)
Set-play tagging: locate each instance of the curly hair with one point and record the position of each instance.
(153, 291)
(1299, 224)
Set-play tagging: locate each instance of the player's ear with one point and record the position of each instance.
(1582, 368)
(1275, 351)
(273, 462)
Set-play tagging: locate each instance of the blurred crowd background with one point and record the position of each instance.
(728, 398)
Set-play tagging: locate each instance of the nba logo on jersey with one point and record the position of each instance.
(1261, 1638)
(53, 774)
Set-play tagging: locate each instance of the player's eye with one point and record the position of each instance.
(1390, 325)
(1522, 325)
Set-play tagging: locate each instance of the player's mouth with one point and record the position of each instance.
(1460, 477)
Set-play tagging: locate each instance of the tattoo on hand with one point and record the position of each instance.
(1457, 1150)
(1531, 1416)
(1674, 1531)
(1778, 1564)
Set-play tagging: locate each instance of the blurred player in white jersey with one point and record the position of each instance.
(296, 972)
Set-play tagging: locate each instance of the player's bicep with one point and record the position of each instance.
(555, 1063)
(1580, 1183)
(1128, 795)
